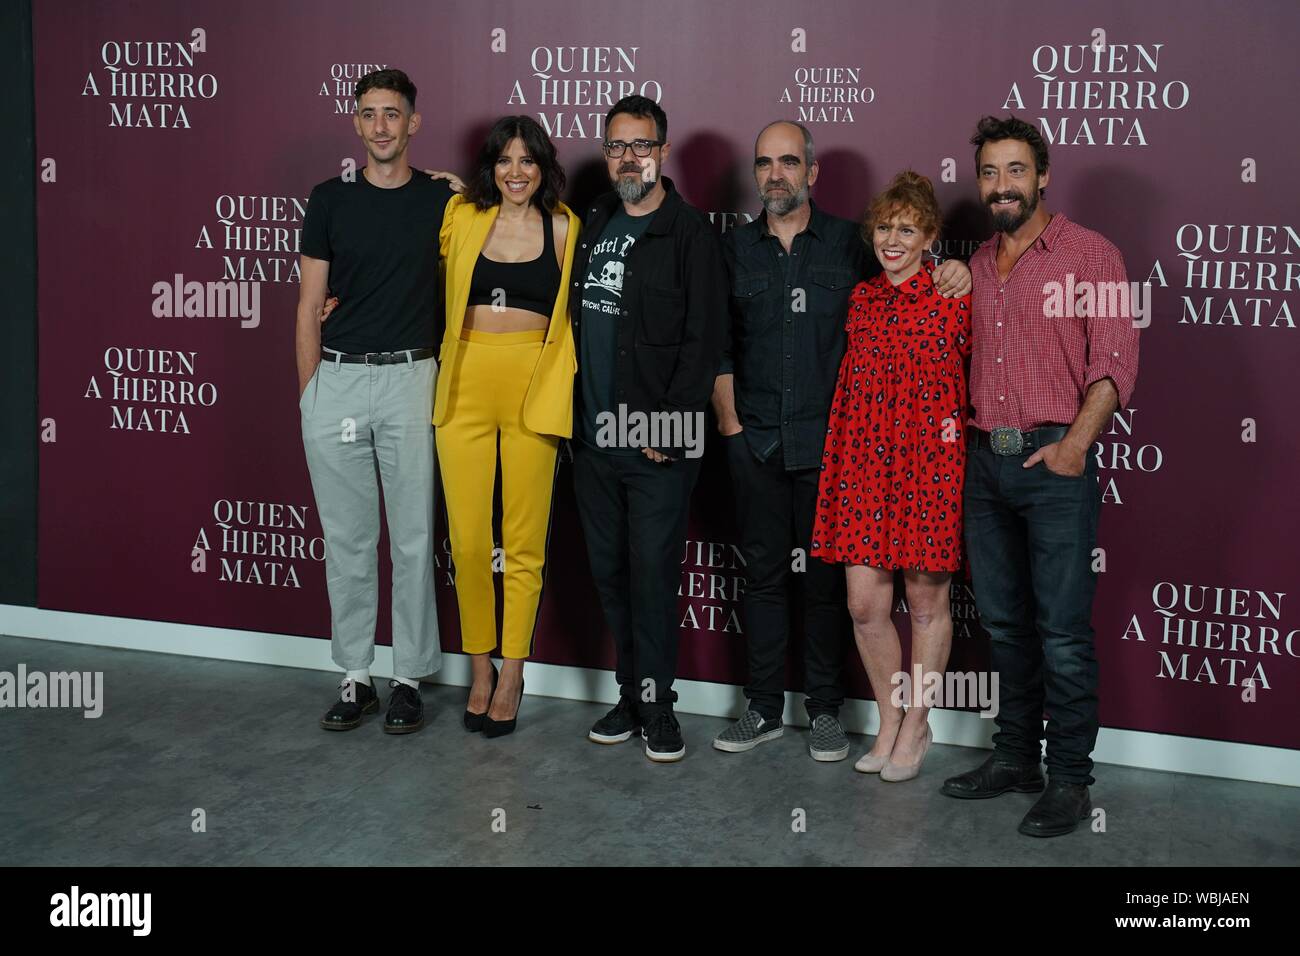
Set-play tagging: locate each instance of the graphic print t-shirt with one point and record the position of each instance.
(602, 291)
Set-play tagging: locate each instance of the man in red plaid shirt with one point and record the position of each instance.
(1055, 354)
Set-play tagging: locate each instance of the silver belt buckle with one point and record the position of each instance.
(1007, 441)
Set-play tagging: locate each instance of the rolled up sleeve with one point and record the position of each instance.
(1112, 337)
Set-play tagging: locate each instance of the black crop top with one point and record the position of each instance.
(531, 285)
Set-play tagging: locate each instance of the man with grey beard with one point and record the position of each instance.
(792, 271)
(648, 305)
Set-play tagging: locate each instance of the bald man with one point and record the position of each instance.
(791, 271)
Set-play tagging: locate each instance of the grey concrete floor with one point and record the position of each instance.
(240, 741)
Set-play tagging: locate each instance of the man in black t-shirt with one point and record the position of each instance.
(366, 380)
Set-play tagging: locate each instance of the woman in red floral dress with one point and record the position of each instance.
(890, 490)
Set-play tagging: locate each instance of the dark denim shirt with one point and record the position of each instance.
(787, 330)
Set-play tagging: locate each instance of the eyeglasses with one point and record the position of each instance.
(615, 148)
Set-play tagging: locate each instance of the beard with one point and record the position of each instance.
(1007, 222)
(632, 191)
(782, 205)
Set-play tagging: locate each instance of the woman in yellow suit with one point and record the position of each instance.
(505, 382)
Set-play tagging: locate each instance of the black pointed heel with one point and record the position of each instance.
(473, 721)
(499, 728)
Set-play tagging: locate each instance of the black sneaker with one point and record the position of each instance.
(616, 726)
(663, 737)
(355, 699)
(405, 709)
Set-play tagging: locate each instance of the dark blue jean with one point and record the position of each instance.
(1030, 535)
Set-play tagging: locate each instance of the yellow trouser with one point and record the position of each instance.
(487, 400)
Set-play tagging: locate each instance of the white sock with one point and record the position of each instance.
(408, 681)
(360, 677)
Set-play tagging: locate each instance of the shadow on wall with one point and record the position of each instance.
(586, 182)
(1111, 199)
(966, 219)
(845, 183)
(707, 170)
(463, 160)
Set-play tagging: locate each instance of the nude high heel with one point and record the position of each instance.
(869, 764)
(896, 773)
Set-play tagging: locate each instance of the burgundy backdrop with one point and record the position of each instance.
(184, 139)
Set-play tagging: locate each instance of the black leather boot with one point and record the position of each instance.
(1058, 810)
(992, 778)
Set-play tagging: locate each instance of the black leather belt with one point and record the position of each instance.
(1010, 441)
(376, 358)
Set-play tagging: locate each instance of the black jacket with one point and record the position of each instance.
(674, 307)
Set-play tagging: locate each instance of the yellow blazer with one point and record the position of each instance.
(548, 404)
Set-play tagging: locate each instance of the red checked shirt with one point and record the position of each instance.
(1034, 355)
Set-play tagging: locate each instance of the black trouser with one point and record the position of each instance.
(774, 511)
(1030, 535)
(634, 514)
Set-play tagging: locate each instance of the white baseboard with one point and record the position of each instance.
(1192, 755)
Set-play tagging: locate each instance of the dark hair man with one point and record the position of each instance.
(366, 381)
(1046, 377)
(649, 309)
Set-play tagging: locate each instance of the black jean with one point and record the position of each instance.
(1030, 535)
(774, 512)
(633, 513)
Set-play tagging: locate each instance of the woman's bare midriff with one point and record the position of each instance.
(484, 318)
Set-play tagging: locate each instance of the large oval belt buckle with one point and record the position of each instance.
(1007, 441)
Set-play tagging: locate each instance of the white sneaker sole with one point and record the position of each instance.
(829, 756)
(658, 757)
(596, 738)
(739, 747)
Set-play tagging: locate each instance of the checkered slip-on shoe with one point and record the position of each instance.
(829, 742)
(747, 733)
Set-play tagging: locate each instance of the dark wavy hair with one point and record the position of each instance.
(991, 129)
(481, 188)
(394, 80)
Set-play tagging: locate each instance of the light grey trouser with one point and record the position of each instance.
(363, 424)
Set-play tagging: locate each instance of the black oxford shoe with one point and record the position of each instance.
(993, 778)
(1058, 810)
(355, 699)
(405, 710)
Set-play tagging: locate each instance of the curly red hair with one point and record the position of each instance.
(910, 192)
